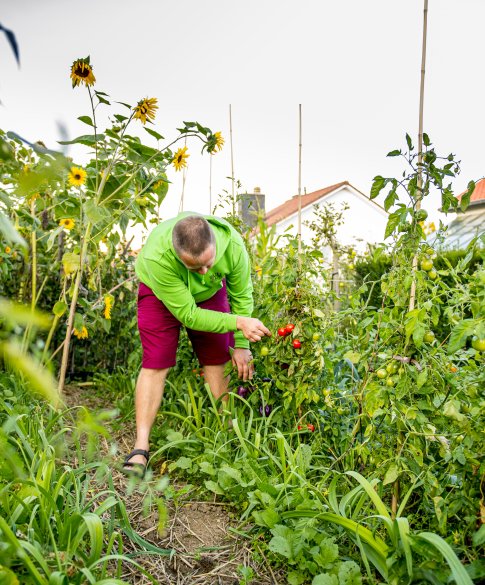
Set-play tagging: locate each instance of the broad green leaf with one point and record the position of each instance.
(392, 223)
(392, 474)
(460, 333)
(325, 579)
(457, 569)
(86, 139)
(212, 486)
(39, 378)
(59, 308)
(71, 262)
(86, 119)
(377, 186)
(465, 198)
(267, 517)
(390, 199)
(349, 574)
(9, 232)
(95, 213)
(479, 536)
(394, 153)
(23, 315)
(153, 133)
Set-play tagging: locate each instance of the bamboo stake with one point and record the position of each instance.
(232, 157)
(299, 190)
(184, 176)
(210, 184)
(412, 294)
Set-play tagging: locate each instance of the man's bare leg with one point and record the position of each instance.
(148, 396)
(218, 383)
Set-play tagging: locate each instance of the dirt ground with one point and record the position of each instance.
(199, 532)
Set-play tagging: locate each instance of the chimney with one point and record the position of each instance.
(251, 205)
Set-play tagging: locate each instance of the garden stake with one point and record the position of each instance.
(412, 296)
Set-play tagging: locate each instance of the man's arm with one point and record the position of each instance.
(240, 290)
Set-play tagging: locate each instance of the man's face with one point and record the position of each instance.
(202, 263)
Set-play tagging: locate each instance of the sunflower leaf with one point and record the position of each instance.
(86, 139)
(153, 133)
(86, 119)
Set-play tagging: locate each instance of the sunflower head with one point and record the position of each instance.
(179, 160)
(77, 176)
(67, 223)
(145, 110)
(82, 333)
(108, 305)
(215, 142)
(82, 72)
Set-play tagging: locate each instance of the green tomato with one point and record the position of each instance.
(390, 382)
(264, 350)
(421, 215)
(478, 344)
(392, 368)
(340, 410)
(426, 264)
(432, 274)
(428, 337)
(381, 373)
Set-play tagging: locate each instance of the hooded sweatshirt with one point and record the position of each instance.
(179, 289)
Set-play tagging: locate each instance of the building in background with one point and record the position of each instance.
(467, 224)
(364, 221)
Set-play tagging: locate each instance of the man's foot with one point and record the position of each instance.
(136, 463)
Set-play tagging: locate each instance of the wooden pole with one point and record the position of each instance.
(232, 160)
(184, 176)
(210, 184)
(412, 294)
(299, 188)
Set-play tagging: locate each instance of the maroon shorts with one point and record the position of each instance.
(159, 332)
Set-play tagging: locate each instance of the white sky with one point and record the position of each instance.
(353, 65)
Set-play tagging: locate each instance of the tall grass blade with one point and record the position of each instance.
(457, 569)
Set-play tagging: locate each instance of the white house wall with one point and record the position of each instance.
(364, 222)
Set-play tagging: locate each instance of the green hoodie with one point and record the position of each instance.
(159, 267)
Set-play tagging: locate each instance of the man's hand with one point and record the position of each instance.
(243, 361)
(252, 329)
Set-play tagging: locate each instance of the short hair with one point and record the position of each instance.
(192, 235)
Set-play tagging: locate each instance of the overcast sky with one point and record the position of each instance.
(353, 65)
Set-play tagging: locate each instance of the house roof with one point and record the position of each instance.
(290, 207)
(478, 195)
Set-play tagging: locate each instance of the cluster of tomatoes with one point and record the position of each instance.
(285, 331)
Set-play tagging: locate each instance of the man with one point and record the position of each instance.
(190, 269)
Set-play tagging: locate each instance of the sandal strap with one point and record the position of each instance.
(145, 454)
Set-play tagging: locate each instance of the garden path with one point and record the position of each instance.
(206, 551)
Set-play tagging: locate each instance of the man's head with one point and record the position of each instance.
(194, 243)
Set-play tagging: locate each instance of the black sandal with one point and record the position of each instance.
(137, 469)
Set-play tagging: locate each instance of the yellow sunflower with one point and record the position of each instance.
(8, 249)
(67, 223)
(179, 160)
(145, 110)
(83, 334)
(108, 305)
(77, 176)
(216, 142)
(82, 72)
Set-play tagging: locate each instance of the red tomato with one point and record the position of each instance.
(296, 343)
(311, 427)
(282, 331)
(300, 427)
(289, 328)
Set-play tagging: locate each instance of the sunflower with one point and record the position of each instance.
(83, 334)
(179, 160)
(145, 110)
(82, 72)
(8, 249)
(108, 304)
(77, 176)
(67, 223)
(216, 142)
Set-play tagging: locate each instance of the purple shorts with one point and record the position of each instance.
(159, 332)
